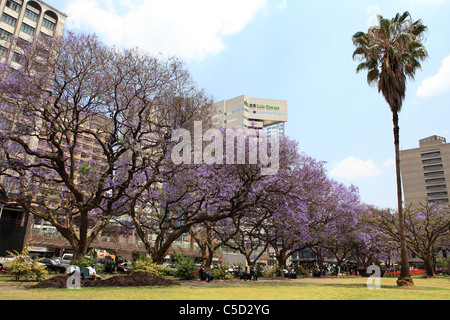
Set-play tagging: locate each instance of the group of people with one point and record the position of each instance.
(290, 272)
(332, 269)
(205, 274)
(92, 274)
(111, 266)
(249, 275)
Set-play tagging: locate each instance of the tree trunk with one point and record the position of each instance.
(141, 233)
(204, 239)
(281, 257)
(429, 266)
(162, 245)
(405, 275)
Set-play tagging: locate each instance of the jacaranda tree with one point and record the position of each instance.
(84, 122)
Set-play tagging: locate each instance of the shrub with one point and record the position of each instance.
(39, 271)
(23, 268)
(259, 270)
(185, 268)
(301, 271)
(147, 267)
(270, 273)
(273, 272)
(221, 273)
(168, 272)
(85, 262)
(19, 269)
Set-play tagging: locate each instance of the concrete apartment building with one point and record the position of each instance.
(426, 171)
(26, 19)
(20, 21)
(246, 112)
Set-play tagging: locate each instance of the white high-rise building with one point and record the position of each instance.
(246, 112)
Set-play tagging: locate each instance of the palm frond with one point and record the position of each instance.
(403, 17)
(391, 52)
(373, 76)
(417, 28)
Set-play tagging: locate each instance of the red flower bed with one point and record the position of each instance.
(413, 271)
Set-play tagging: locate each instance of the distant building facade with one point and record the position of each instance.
(246, 112)
(20, 21)
(426, 171)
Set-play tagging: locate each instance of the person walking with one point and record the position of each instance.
(253, 275)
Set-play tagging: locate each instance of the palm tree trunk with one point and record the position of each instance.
(405, 275)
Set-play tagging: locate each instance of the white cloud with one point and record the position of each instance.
(389, 162)
(429, 1)
(283, 5)
(374, 11)
(188, 29)
(352, 168)
(438, 83)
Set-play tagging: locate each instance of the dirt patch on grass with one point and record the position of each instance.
(134, 280)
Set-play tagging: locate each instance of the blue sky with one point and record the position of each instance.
(299, 51)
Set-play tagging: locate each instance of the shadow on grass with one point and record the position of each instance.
(328, 283)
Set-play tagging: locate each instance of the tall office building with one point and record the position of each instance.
(426, 171)
(24, 20)
(245, 112)
(20, 20)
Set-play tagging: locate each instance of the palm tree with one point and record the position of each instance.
(391, 52)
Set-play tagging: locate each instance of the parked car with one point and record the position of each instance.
(4, 262)
(53, 265)
(169, 266)
(56, 259)
(66, 259)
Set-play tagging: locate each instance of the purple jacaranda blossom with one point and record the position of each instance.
(83, 124)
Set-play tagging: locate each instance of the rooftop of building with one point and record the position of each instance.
(433, 139)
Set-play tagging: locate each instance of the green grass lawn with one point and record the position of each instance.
(351, 288)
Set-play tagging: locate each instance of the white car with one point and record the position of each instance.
(66, 259)
(4, 262)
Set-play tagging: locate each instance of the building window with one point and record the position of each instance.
(438, 200)
(5, 35)
(438, 179)
(9, 20)
(31, 15)
(12, 216)
(27, 29)
(437, 186)
(18, 58)
(427, 160)
(433, 166)
(13, 5)
(437, 193)
(3, 51)
(431, 153)
(48, 24)
(44, 35)
(429, 173)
